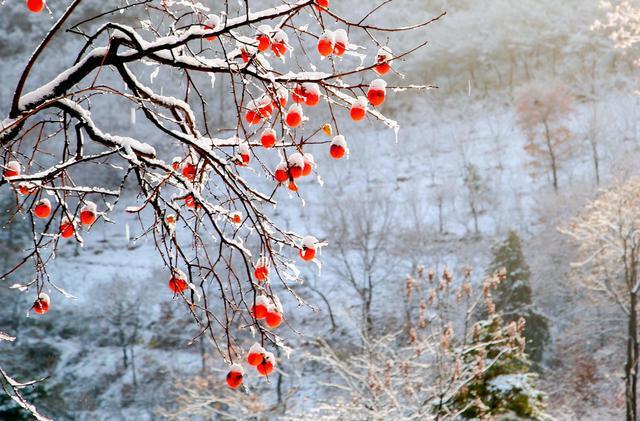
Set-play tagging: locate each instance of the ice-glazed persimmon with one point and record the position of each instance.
(235, 376)
(338, 147)
(256, 354)
(42, 303)
(309, 162)
(326, 43)
(279, 43)
(264, 38)
(265, 367)
(268, 138)
(42, 209)
(178, 282)
(383, 61)
(377, 92)
(261, 271)
(88, 213)
(341, 42)
(67, 228)
(259, 309)
(12, 169)
(294, 116)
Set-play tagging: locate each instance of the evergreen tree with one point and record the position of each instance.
(513, 298)
(503, 385)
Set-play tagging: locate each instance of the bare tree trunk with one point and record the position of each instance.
(133, 364)
(474, 213)
(552, 156)
(123, 343)
(440, 216)
(203, 355)
(327, 303)
(596, 159)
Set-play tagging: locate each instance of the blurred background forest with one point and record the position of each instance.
(469, 188)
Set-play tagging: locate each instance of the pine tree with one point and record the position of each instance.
(513, 298)
(504, 384)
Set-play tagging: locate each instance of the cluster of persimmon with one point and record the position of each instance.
(269, 310)
(296, 166)
(267, 307)
(263, 361)
(260, 110)
(42, 207)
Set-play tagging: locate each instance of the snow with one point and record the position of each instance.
(48, 91)
(339, 140)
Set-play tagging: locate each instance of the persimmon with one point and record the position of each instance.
(268, 138)
(259, 309)
(294, 116)
(358, 109)
(281, 174)
(189, 169)
(212, 23)
(311, 93)
(176, 163)
(42, 303)
(190, 201)
(67, 228)
(326, 43)
(309, 247)
(265, 367)
(42, 209)
(383, 61)
(170, 219)
(342, 41)
(244, 154)
(235, 217)
(244, 54)
(279, 43)
(255, 354)
(273, 319)
(338, 147)
(234, 376)
(88, 213)
(322, 4)
(296, 165)
(292, 186)
(26, 188)
(377, 92)
(261, 271)
(263, 38)
(178, 282)
(265, 107)
(309, 162)
(12, 169)
(35, 6)
(253, 115)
